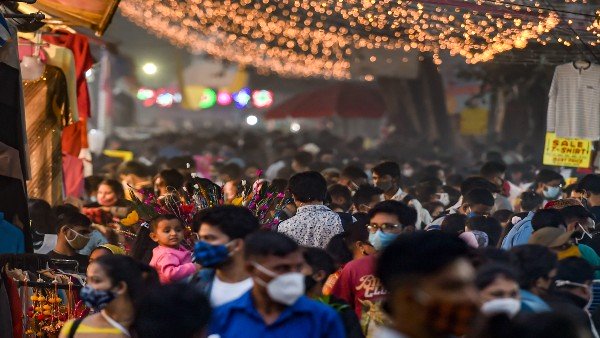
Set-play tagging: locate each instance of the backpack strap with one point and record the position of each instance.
(74, 327)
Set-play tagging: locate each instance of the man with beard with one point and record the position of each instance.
(222, 232)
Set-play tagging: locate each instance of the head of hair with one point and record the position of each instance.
(530, 200)
(475, 182)
(73, 219)
(303, 158)
(156, 220)
(489, 273)
(590, 183)
(574, 269)
(503, 215)
(479, 196)
(115, 186)
(175, 310)
(235, 222)
(133, 168)
(269, 243)
(533, 262)
(365, 193)
(387, 168)
(574, 213)
(137, 276)
(338, 249)
(91, 183)
(354, 173)
(442, 249)
(308, 186)
(547, 325)
(340, 191)
(492, 168)
(232, 170)
(63, 209)
(489, 225)
(172, 178)
(41, 216)
(454, 224)
(143, 245)
(319, 260)
(425, 190)
(547, 218)
(547, 175)
(406, 215)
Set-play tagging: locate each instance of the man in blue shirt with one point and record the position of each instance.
(11, 237)
(275, 306)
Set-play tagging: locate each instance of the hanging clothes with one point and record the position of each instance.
(80, 47)
(12, 115)
(46, 110)
(64, 59)
(574, 106)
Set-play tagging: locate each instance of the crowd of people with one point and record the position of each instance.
(360, 245)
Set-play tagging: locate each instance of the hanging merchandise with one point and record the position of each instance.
(46, 110)
(574, 106)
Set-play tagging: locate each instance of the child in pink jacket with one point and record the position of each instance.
(171, 261)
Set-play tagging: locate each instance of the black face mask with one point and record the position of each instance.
(309, 283)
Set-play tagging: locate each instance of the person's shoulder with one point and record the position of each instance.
(241, 302)
(359, 263)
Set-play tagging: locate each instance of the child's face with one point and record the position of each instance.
(168, 233)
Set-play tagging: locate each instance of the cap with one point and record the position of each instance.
(550, 237)
(560, 204)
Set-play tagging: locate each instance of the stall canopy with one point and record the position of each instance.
(345, 100)
(93, 14)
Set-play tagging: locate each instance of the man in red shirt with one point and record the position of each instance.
(357, 284)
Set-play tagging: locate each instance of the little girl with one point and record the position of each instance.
(172, 262)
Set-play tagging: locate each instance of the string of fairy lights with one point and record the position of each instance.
(307, 38)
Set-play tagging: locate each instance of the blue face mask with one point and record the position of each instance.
(552, 192)
(380, 240)
(96, 299)
(209, 255)
(472, 214)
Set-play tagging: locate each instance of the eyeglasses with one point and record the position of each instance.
(385, 227)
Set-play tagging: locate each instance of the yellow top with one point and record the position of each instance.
(86, 329)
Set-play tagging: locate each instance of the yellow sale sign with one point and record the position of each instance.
(567, 152)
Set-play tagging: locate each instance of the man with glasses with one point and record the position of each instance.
(357, 284)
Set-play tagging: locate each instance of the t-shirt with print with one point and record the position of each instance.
(360, 288)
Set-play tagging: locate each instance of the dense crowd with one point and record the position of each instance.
(359, 244)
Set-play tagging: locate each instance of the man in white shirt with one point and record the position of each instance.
(314, 223)
(222, 232)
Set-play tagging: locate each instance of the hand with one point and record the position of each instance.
(198, 267)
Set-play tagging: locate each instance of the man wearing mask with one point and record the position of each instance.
(357, 284)
(431, 287)
(276, 305)
(549, 184)
(74, 231)
(353, 177)
(135, 175)
(386, 176)
(591, 185)
(495, 173)
(222, 231)
(536, 267)
(571, 292)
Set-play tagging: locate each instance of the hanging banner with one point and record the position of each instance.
(567, 152)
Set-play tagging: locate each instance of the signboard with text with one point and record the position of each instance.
(567, 152)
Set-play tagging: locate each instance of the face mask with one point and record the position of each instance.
(509, 306)
(572, 251)
(380, 240)
(79, 241)
(444, 198)
(448, 318)
(209, 255)
(96, 299)
(551, 192)
(284, 289)
(385, 186)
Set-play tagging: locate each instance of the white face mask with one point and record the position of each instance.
(508, 306)
(444, 198)
(285, 289)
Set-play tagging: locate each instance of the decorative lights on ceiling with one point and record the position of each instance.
(317, 37)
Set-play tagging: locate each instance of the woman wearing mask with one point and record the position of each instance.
(115, 284)
(498, 290)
